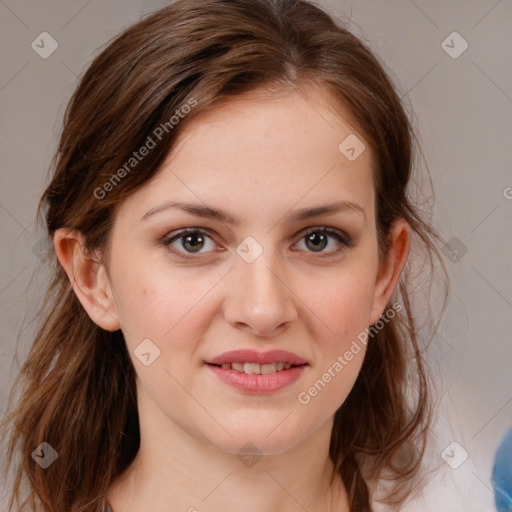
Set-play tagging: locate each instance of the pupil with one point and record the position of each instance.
(315, 238)
(195, 247)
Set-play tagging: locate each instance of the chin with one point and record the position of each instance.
(258, 441)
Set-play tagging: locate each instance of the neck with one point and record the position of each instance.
(175, 470)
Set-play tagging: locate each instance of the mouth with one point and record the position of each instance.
(257, 359)
(257, 369)
(255, 372)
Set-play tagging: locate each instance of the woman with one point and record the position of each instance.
(229, 319)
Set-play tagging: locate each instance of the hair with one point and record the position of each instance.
(77, 385)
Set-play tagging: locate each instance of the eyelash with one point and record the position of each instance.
(343, 239)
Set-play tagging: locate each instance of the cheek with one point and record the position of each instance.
(342, 306)
(170, 310)
(174, 323)
(340, 313)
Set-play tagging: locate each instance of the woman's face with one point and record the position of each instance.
(257, 275)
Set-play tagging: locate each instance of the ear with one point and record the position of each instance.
(88, 278)
(390, 269)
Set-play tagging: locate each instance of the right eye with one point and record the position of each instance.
(191, 240)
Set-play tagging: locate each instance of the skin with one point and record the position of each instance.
(258, 157)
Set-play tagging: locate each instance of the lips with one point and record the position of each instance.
(254, 357)
(258, 384)
(255, 372)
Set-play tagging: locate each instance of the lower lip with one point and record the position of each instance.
(258, 384)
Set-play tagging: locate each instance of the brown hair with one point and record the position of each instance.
(77, 385)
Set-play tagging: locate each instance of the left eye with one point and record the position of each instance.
(193, 240)
(320, 237)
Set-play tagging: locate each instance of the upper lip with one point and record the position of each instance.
(252, 356)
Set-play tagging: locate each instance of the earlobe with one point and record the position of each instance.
(88, 278)
(390, 269)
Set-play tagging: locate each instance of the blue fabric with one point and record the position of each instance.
(502, 474)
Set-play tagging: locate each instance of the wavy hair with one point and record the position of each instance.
(76, 387)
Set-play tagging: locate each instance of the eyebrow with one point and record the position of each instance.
(202, 210)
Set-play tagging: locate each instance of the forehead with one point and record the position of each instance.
(270, 119)
(263, 149)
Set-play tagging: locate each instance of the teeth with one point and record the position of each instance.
(257, 369)
(268, 368)
(252, 368)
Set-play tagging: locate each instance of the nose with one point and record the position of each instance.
(259, 300)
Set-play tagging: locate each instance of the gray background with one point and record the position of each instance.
(464, 113)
